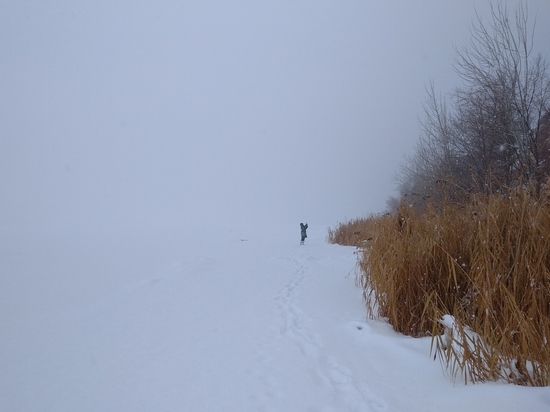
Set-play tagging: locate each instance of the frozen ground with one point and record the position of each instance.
(239, 323)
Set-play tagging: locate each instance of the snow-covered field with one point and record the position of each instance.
(240, 322)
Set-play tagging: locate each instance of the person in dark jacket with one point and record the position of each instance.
(304, 232)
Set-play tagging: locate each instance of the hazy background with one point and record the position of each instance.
(126, 113)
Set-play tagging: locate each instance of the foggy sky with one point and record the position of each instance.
(147, 112)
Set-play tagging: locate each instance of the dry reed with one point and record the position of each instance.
(356, 232)
(486, 263)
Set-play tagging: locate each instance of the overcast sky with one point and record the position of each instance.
(221, 111)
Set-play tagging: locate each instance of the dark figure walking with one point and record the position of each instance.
(304, 233)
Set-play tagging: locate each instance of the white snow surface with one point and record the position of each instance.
(235, 321)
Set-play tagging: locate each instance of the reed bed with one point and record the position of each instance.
(484, 264)
(356, 232)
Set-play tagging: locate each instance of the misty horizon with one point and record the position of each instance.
(116, 113)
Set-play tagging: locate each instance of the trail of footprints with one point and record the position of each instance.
(335, 375)
(294, 319)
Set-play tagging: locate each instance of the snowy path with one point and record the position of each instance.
(335, 378)
(258, 324)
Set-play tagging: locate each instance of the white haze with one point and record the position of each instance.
(156, 158)
(125, 113)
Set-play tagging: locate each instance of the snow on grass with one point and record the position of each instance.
(241, 322)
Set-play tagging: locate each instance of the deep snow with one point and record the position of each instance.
(241, 322)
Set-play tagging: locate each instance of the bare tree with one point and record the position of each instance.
(507, 94)
(495, 133)
(434, 164)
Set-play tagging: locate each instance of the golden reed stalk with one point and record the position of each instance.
(486, 263)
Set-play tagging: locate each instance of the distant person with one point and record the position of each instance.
(304, 232)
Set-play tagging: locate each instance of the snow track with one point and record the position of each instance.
(297, 326)
(293, 319)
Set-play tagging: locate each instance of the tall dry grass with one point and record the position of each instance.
(356, 232)
(486, 263)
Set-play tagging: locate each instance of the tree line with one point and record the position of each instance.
(493, 132)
